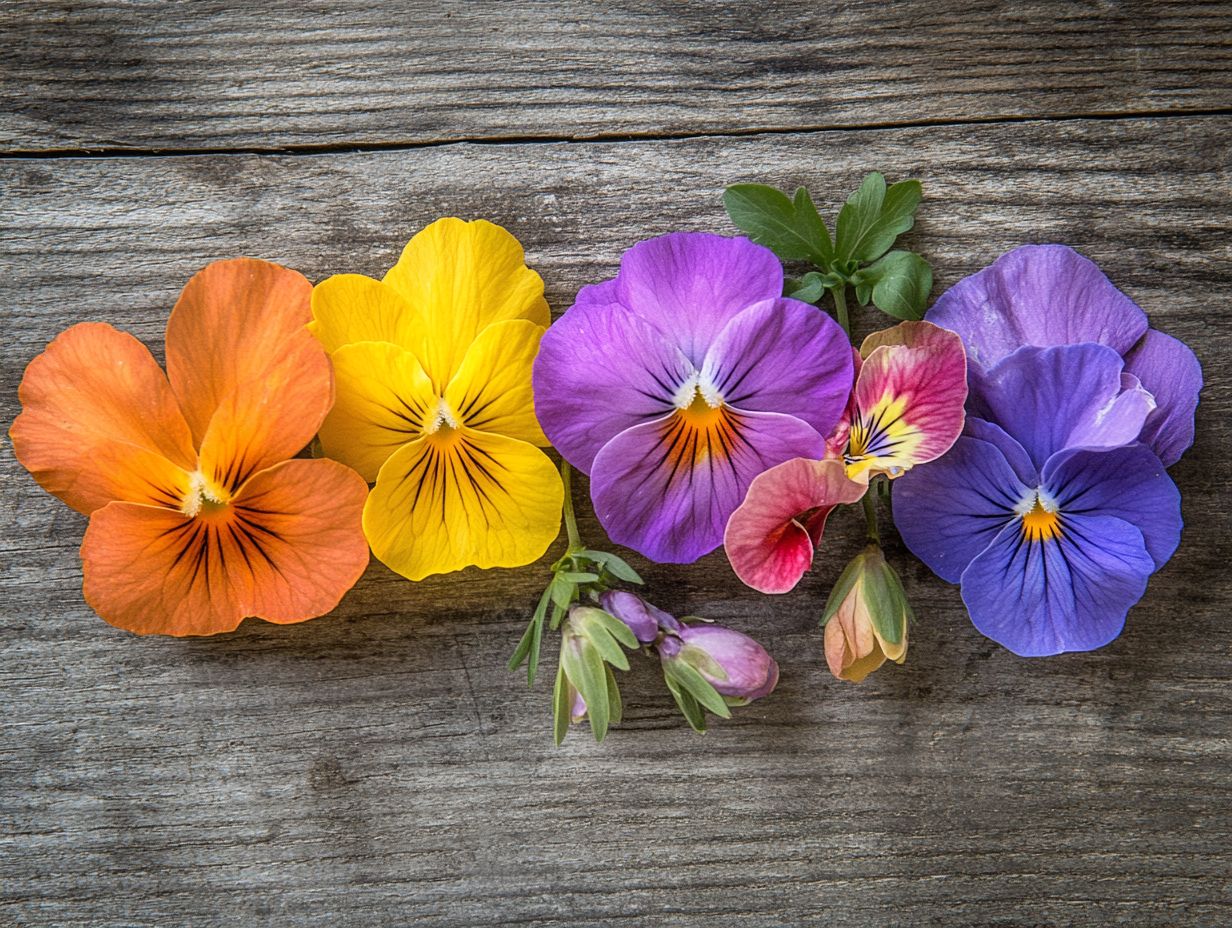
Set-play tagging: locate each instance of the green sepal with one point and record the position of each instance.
(587, 621)
(873, 217)
(615, 706)
(562, 707)
(691, 681)
(846, 581)
(617, 629)
(585, 670)
(898, 284)
(792, 230)
(888, 608)
(702, 662)
(689, 707)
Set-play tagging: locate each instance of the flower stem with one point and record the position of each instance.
(840, 307)
(566, 477)
(870, 518)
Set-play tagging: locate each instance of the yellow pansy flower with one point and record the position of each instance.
(432, 368)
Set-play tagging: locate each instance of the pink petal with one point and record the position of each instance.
(909, 399)
(768, 547)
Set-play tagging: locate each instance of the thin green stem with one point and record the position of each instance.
(566, 477)
(870, 517)
(840, 307)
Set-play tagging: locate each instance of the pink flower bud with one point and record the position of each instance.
(734, 664)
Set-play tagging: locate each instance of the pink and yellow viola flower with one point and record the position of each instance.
(906, 409)
(200, 513)
(434, 401)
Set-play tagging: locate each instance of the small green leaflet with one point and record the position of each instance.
(873, 217)
(898, 284)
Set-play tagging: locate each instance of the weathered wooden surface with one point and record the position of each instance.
(107, 75)
(380, 767)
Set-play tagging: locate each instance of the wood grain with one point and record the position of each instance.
(380, 767)
(99, 74)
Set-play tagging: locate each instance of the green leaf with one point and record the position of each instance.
(873, 217)
(769, 218)
(563, 593)
(574, 576)
(808, 289)
(528, 648)
(616, 707)
(689, 708)
(811, 225)
(899, 284)
(613, 564)
(698, 687)
(561, 705)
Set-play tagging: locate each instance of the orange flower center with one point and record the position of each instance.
(204, 498)
(1041, 524)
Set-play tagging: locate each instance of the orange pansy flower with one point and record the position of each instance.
(198, 516)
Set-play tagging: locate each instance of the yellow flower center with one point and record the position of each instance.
(700, 414)
(204, 497)
(881, 438)
(1040, 523)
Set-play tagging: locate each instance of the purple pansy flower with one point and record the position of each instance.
(1049, 523)
(1047, 295)
(683, 378)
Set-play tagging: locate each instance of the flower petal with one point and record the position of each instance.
(913, 334)
(783, 356)
(950, 511)
(349, 308)
(602, 370)
(1171, 372)
(1015, 454)
(461, 277)
(1054, 398)
(286, 550)
(99, 422)
(270, 418)
(1129, 483)
(232, 321)
(768, 547)
(1069, 594)
(473, 498)
(492, 389)
(909, 402)
(1038, 295)
(667, 488)
(384, 399)
(689, 285)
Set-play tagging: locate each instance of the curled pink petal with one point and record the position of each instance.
(767, 545)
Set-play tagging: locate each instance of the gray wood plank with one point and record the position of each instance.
(99, 74)
(379, 766)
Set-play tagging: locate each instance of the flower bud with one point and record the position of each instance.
(866, 618)
(577, 704)
(733, 663)
(643, 619)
